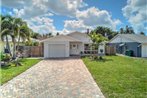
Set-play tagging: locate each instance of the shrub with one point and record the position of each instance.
(35, 43)
(2, 55)
(7, 57)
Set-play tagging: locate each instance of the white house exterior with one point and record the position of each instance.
(65, 45)
(136, 43)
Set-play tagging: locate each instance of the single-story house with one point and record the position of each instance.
(135, 43)
(66, 45)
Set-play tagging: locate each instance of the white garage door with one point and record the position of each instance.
(56, 50)
(144, 50)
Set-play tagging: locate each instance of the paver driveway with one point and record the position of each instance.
(54, 78)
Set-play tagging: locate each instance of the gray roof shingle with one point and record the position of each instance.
(136, 37)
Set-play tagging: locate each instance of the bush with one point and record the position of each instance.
(31, 43)
(2, 55)
(6, 57)
(28, 43)
(35, 43)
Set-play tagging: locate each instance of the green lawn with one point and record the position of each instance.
(7, 73)
(120, 77)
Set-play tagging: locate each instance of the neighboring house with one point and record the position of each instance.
(3, 43)
(134, 42)
(66, 45)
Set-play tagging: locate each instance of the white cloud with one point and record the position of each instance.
(33, 8)
(75, 25)
(134, 11)
(18, 13)
(41, 24)
(89, 19)
(14, 3)
(37, 12)
(95, 17)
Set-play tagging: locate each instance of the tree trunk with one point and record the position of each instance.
(18, 43)
(7, 45)
(14, 48)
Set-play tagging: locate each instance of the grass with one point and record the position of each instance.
(120, 77)
(9, 72)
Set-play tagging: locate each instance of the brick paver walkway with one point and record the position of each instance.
(60, 78)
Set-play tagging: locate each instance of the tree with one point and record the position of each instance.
(13, 27)
(57, 33)
(105, 32)
(127, 30)
(142, 33)
(50, 34)
(96, 39)
(6, 30)
(121, 31)
(24, 34)
(35, 35)
(131, 31)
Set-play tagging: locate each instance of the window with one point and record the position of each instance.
(74, 46)
(87, 47)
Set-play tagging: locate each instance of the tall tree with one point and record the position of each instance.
(57, 33)
(24, 34)
(15, 24)
(121, 31)
(142, 33)
(96, 38)
(105, 31)
(127, 30)
(50, 34)
(12, 27)
(6, 30)
(35, 35)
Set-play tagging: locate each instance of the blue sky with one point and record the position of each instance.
(66, 16)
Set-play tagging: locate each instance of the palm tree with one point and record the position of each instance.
(24, 33)
(35, 35)
(121, 30)
(142, 33)
(50, 35)
(57, 33)
(15, 28)
(5, 30)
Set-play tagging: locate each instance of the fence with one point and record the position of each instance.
(33, 51)
(110, 50)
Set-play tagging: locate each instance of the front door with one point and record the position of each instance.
(74, 49)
